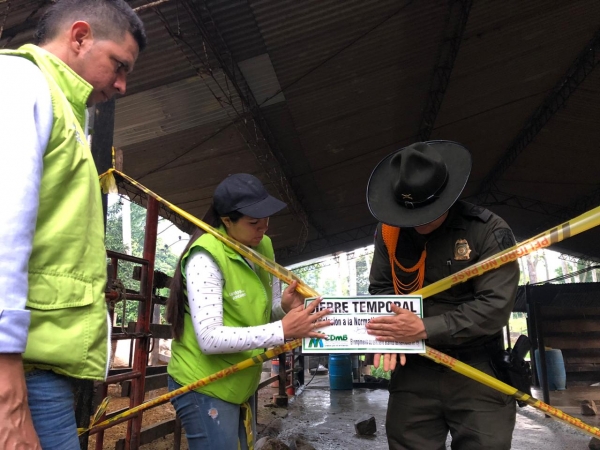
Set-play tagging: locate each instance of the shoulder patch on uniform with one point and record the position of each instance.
(477, 212)
(505, 238)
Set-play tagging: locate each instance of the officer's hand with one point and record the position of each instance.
(301, 322)
(389, 360)
(16, 427)
(403, 326)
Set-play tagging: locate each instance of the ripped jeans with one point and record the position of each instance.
(211, 423)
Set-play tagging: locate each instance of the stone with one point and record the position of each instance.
(365, 425)
(594, 444)
(300, 443)
(270, 443)
(588, 408)
(272, 429)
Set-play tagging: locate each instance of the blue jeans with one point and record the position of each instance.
(52, 404)
(211, 423)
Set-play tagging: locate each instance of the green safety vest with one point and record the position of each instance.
(247, 300)
(67, 268)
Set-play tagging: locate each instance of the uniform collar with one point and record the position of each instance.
(455, 217)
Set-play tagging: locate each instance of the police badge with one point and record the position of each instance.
(462, 251)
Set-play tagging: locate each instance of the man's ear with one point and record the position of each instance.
(226, 221)
(80, 36)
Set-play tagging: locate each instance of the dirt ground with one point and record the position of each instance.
(266, 413)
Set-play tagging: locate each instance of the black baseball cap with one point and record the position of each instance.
(245, 193)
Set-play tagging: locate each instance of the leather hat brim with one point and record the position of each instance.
(383, 205)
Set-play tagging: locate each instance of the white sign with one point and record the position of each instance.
(348, 334)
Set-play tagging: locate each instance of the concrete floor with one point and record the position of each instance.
(326, 418)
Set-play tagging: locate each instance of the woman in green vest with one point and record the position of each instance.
(223, 309)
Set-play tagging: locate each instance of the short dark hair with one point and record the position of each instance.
(109, 19)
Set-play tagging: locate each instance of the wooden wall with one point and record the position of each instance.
(568, 316)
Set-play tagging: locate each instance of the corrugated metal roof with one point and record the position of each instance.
(260, 76)
(236, 23)
(174, 107)
(356, 77)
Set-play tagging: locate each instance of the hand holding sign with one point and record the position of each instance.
(403, 326)
(301, 322)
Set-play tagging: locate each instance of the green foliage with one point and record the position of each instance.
(363, 268)
(328, 288)
(165, 260)
(321, 278)
(309, 275)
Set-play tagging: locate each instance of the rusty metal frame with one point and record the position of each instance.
(140, 360)
(142, 335)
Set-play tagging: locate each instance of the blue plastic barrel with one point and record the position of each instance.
(340, 371)
(555, 368)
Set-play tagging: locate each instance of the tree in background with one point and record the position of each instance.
(310, 274)
(326, 280)
(363, 268)
(165, 260)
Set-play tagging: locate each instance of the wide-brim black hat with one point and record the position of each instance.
(417, 184)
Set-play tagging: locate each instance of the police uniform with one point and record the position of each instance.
(428, 400)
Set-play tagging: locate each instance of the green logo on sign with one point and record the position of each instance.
(315, 342)
(333, 337)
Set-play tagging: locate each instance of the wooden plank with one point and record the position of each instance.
(581, 359)
(582, 368)
(572, 325)
(587, 336)
(570, 313)
(585, 352)
(568, 342)
(580, 378)
(152, 382)
(151, 433)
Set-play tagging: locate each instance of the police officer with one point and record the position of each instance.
(425, 235)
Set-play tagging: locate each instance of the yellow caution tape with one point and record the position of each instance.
(258, 359)
(568, 229)
(484, 378)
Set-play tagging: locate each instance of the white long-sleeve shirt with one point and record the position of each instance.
(25, 126)
(207, 304)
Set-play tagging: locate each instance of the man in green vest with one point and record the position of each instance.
(53, 317)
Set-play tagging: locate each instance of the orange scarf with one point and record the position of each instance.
(390, 238)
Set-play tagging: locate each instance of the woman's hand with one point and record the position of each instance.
(301, 322)
(290, 298)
